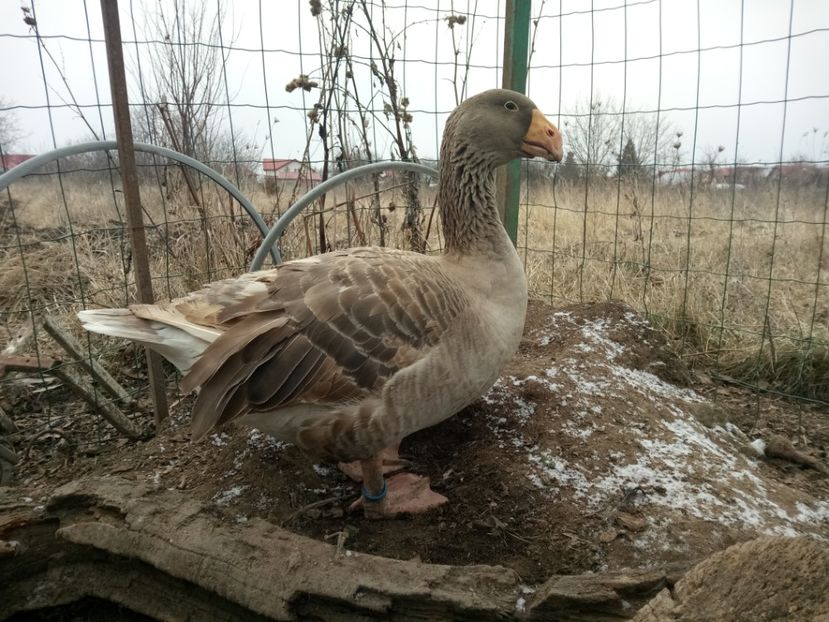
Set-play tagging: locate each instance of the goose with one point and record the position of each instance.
(346, 353)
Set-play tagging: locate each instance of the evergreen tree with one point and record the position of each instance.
(629, 163)
(570, 169)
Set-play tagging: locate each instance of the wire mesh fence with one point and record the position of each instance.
(695, 188)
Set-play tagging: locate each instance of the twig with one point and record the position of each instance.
(311, 506)
(8, 455)
(6, 424)
(68, 343)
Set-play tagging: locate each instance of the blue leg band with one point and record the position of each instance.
(379, 496)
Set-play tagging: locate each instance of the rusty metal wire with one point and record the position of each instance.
(732, 265)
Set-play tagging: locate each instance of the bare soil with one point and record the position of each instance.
(595, 451)
(761, 580)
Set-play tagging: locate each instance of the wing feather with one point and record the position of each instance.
(321, 332)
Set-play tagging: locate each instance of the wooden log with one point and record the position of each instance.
(25, 363)
(70, 344)
(768, 578)
(6, 424)
(606, 596)
(105, 408)
(79, 387)
(160, 554)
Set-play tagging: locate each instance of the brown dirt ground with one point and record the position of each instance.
(596, 450)
(748, 582)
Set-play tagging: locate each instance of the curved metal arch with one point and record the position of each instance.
(38, 161)
(329, 184)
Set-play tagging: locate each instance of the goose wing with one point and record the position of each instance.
(325, 330)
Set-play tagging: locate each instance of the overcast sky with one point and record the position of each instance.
(575, 51)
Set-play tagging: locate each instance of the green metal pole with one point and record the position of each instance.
(516, 50)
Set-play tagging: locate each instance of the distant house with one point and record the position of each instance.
(10, 160)
(289, 170)
(718, 177)
(801, 173)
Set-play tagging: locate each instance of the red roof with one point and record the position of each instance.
(277, 169)
(10, 160)
(303, 175)
(274, 165)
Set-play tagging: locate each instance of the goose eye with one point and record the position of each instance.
(511, 106)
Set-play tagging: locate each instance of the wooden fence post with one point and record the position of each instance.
(132, 197)
(516, 50)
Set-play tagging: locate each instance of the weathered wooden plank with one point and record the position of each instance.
(148, 550)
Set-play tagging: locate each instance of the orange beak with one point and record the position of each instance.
(542, 139)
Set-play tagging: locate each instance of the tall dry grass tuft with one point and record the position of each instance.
(65, 247)
(698, 263)
(738, 282)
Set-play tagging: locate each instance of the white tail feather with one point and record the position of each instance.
(178, 345)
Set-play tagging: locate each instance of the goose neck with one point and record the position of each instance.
(469, 215)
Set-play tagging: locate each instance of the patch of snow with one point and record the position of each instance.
(669, 460)
(815, 515)
(520, 604)
(550, 468)
(525, 409)
(535, 480)
(759, 446)
(323, 470)
(521, 408)
(646, 383)
(586, 384)
(578, 429)
(224, 497)
(261, 441)
(553, 387)
(264, 502)
(635, 319)
(596, 333)
(219, 440)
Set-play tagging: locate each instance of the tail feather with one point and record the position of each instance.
(178, 345)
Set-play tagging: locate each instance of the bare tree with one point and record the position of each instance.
(345, 116)
(395, 108)
(592, 135)
(362, 105)
(710, 160)
(185, 97)
(9, 128)
(597, 133)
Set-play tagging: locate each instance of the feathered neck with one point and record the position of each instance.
(466, 199)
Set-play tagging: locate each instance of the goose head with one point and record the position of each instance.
(501, 125)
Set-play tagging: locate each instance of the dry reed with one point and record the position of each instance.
(703, 269)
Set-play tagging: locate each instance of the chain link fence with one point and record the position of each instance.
(695, 187)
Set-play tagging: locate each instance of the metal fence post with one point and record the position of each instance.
(516, 50)
(132, 197)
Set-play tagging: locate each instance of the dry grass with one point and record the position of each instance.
(736, 283)
(663, 254)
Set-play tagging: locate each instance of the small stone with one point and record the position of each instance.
(631, 522)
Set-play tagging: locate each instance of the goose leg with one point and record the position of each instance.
(404, 493)
(375, 489)
(391, 462)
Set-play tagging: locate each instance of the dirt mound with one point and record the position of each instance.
(588, 454)
(761, 580)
